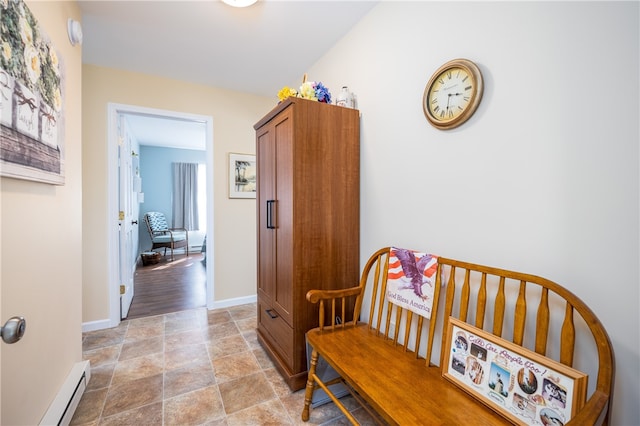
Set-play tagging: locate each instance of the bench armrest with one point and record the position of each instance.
(336, 299)
(593, 412)
(314, 296)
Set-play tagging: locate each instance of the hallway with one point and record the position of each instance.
(194, 367)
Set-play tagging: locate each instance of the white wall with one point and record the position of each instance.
(544, 177)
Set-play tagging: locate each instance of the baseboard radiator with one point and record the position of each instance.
(64, 405)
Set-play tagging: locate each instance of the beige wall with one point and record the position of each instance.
(42, 256)
(234, 233)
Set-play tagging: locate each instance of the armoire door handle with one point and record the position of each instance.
(270, 214)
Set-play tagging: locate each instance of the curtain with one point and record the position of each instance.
(185, 196)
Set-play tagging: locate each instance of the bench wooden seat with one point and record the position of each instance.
(403, 379)
(392, 360)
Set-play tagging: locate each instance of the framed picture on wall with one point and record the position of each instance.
(242, 175)
(31, 99)
(523, 386)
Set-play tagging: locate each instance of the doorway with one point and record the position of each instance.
(115, 114)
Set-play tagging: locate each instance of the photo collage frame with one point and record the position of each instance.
(523, 386)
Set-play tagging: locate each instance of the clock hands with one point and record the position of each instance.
(449, 95)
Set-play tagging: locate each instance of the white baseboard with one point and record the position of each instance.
(227, 303)
(220, 304)
(61, 410)
(96, 325)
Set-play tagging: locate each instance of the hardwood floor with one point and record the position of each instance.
(169, 286)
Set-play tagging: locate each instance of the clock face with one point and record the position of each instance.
(452, 94)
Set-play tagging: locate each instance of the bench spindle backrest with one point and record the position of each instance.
(398, 325)
(530, 289)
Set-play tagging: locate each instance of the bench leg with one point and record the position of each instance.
(314, 380)
(308, 393)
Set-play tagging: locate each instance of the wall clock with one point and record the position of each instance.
(452, 94)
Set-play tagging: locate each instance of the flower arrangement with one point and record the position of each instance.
(308, 90)
(25, 55)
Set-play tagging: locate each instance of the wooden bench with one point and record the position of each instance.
(386, 362)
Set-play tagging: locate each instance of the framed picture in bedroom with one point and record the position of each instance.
(523, 386)
(242, 175)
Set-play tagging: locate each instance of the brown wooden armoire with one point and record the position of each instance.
(308, 205)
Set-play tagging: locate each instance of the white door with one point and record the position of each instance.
(128, 218)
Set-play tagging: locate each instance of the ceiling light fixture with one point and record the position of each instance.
(239, 3)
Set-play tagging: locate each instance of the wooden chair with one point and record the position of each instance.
(164, 237)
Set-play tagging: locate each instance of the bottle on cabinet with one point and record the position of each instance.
(345, 98)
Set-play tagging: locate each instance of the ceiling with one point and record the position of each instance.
(167, 132)
(257, 50)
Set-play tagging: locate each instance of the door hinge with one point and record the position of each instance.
(120, 215)
(122, 289)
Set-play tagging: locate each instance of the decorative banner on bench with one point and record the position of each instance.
(410, 280)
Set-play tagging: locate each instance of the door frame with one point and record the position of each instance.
(113, 110)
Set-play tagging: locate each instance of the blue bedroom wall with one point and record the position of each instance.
(156, 173)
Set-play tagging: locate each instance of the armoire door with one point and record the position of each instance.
(275, 216)
(265, 200)
(285, 186)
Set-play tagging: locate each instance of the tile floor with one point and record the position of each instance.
(193, 367)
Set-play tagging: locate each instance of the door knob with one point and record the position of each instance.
(13, 329)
